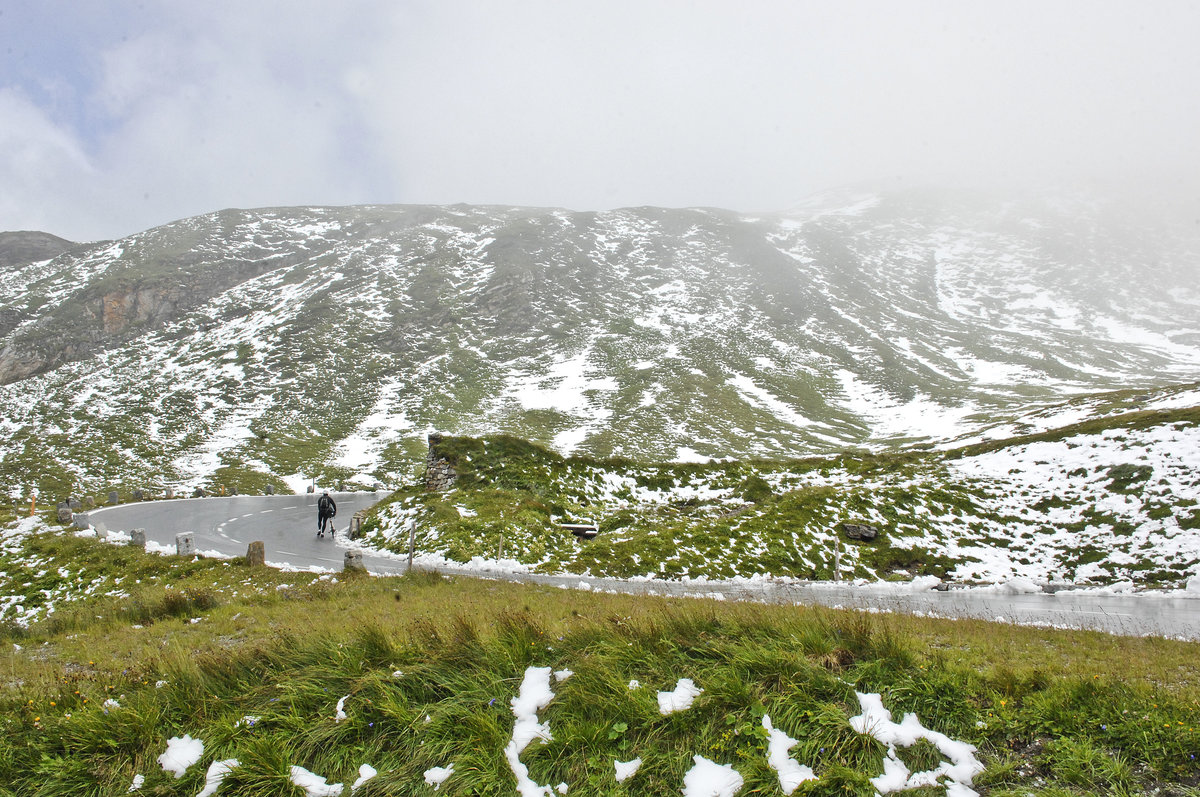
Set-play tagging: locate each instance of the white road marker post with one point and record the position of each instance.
(837, 556)
(412, 542)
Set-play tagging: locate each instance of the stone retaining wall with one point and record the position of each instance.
(439, 473)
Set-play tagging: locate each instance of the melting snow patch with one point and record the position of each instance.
(366, 772)
(562, 675)
(533, 696)
(960, 770)
(340, 715)
(708, 779)
(138, 780)
(314, 785)
(181, 753)
(217, 771)
(1014, 586)
(436, 776)
(685, 454)
(791, 774)
(680, 699)
(626, 769)
(759, 397)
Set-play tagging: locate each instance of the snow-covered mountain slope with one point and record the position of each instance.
(277, 345)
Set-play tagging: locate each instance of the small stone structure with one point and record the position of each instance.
(170, 493)
(137, 538)
(185, 543)
(101, 531)
(114, 498)
(256, 554)
(439, 473)
(270, 489)
(81, 521)
(138, 495)
(64, 512)
(354, 562)
(89, 502)
(75, 504)
(199, 493)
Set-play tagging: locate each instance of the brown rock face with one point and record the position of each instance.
(116, 312)
(139, 306)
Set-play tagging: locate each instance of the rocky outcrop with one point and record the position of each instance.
(140, 306)
(859, 531)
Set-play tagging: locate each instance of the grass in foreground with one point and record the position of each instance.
(253, 662)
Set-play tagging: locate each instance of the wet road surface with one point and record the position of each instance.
(287, 527)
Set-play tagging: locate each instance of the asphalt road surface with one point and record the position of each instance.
(287, 527)
(285, 524)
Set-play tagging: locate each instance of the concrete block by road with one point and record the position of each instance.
(354, 562)
(185, 543)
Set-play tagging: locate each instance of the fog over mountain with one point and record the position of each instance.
(118, 118)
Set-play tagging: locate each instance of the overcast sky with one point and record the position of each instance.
(118, 116)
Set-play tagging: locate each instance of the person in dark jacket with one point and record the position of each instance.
(326, 509)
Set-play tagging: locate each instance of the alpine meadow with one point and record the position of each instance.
(932, 388)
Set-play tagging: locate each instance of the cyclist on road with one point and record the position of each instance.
(326, 509)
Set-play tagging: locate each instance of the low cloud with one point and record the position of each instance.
(149, 114)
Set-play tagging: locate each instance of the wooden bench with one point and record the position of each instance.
(584, 531)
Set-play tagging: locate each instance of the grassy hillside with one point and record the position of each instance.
(255, 663)
(1104, 500)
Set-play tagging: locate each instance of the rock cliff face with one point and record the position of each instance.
(143, 307)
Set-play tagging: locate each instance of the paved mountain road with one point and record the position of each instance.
(287, 527)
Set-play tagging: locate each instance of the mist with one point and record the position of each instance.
(117, 121)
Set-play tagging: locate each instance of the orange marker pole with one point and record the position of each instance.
(32, 503)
